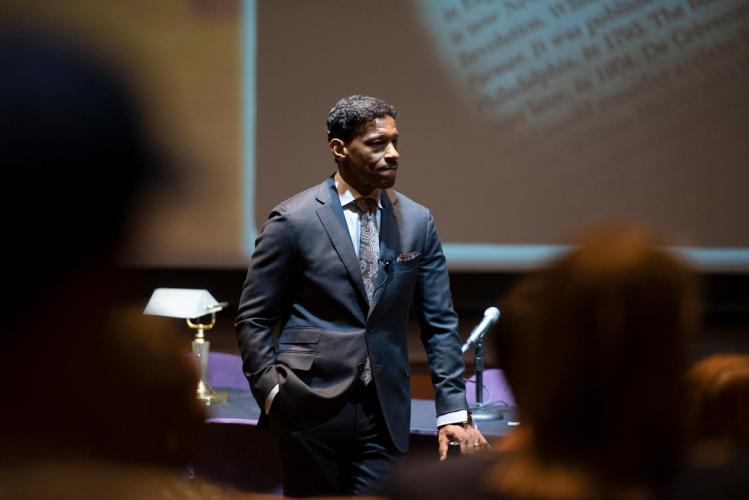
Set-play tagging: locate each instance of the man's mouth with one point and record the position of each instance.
(387, 168)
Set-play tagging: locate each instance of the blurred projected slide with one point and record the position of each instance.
(550, 68)
(523, 120)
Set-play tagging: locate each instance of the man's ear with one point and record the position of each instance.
(338, 148)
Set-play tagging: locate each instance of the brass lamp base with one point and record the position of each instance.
(208, 396)
(200, 349)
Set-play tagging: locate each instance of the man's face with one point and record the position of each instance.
(370, 160)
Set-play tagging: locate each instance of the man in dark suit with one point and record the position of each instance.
(337, 269)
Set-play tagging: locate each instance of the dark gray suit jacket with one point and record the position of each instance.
(304, 278)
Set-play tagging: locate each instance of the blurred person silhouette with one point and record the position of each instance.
(718, 429)
(718, 392)
(596, 344)
(518, 311)
(83, 384)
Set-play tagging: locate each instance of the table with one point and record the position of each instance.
(236, 453)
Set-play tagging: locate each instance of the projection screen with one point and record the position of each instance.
(523, 120)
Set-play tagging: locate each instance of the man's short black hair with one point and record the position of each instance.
(349, 114)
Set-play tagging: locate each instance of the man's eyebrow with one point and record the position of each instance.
(382, 135)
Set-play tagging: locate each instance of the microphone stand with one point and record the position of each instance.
(479, 411)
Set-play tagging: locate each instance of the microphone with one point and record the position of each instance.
(491, 315)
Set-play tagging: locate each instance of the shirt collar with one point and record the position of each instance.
(348, 194)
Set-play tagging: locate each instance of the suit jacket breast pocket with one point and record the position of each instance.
(406, 267)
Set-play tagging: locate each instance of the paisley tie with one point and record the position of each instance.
(369, 255)
(369, 243)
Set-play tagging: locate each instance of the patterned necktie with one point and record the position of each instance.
(369, 255)
(369, 243)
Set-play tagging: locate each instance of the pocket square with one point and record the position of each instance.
(405, 257)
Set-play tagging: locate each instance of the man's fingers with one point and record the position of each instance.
(478, 440)
(462, 436)
(442, 441)
(443, 452)
(470, 439)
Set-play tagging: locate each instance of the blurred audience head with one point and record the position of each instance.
(512, 334)
(599, 342)
(718, 391)
(75, 154)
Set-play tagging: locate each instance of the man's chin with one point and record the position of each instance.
(388, 183)
(387, 179)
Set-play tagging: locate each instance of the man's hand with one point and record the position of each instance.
(468, 436)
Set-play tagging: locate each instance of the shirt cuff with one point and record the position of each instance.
(269, 399)
(454, 417)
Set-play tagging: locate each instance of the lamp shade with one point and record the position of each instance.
(182, 303)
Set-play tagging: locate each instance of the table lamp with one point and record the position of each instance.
(191, 305)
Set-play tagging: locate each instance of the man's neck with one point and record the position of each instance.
(342, 185)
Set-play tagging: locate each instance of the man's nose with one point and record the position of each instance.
(391, 152)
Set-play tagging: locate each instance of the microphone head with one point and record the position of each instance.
(492, 313)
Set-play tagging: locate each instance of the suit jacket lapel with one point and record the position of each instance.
(331, 216)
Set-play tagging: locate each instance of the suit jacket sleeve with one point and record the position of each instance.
(439, 325)
(264, 298)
